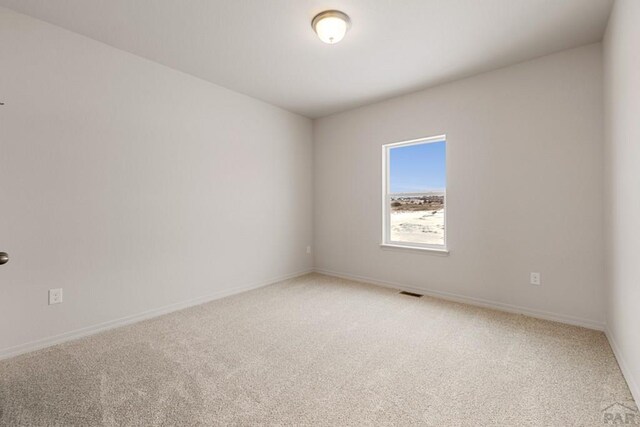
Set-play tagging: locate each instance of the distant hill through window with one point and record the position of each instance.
(415, 193)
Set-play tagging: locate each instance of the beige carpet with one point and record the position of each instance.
(320, 351)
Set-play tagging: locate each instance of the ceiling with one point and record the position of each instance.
(267, 49)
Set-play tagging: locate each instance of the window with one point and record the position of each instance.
(414, 186)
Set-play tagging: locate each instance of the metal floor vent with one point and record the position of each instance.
(411, 294)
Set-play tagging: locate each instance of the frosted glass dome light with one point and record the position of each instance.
(331, 25)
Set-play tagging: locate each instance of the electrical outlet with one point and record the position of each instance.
(535, 278)
(308, 249)
(55, 296)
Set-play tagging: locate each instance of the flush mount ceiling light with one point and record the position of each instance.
(331, 25)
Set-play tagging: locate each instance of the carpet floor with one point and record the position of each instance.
(317, 350)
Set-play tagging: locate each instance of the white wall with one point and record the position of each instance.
(622, 135)
(134, 186)
(524, 187)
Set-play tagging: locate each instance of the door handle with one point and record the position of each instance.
(4, 258)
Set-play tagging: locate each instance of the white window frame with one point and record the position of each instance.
(386, 197)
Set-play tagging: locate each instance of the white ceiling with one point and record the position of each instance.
(267, 49)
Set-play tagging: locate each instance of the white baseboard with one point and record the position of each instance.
(576, 321)
(79, 333)
(90, 330)
(634, 387)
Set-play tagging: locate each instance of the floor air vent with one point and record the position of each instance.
(411, 294)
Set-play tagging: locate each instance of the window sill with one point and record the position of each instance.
(434, 251)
